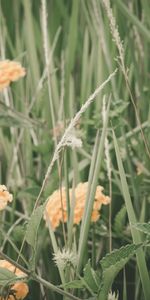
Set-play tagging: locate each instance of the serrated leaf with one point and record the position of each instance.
(32, 232)
(112, 264)
(144, 227)
(119, 222)
(6, 276)
(75, 284)
(116, 256)
(91, 277)
(33, 226)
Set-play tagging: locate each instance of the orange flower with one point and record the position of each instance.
(5, 197)
(10, 71)
(19, 289)
(54, 208)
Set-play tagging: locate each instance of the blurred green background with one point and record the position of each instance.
(35, 111)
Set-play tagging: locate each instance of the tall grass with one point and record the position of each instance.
(69, 49)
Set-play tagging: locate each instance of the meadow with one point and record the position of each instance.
(74, 150)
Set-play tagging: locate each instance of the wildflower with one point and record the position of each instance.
(5, 197)
(54, 207)
(112, 296)
(19, 289)
(65, 258)
(10, 71)
(73, 142)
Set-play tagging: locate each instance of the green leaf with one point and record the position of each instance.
(91, 278)
(75, 284)
(144, 227)
(18, 233)
(119, 257)
(6, 276)
(119, 222)
(111, 265)
(33, 226)
(32, 232)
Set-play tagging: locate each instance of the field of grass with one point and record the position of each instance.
(80, 114)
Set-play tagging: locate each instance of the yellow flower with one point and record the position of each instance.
(19, 289)
(5, 197)
(10, 71)
(54, 208)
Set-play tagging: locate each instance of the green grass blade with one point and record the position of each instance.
(143, 30)
(132, 219)
(31, 41)
(93, 178)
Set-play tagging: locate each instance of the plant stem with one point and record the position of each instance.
(38, 278)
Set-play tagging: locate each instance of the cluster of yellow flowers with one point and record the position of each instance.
(5, 197)
(54, 211)
(19, 289)
(10, 71)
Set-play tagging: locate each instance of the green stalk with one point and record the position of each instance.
(93, 178)
(54, 287)
(55, 248)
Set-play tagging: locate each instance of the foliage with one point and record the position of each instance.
(70, 50)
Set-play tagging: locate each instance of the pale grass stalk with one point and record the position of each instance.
(33, 100)
(54, 245)
(138, 43)
(62, 143)
(62, 208)
(39, 273)
(9, 102)
(46, 54)
(44, 30)
(10, 231)
(109, 171)
(17, 213)
(6, 95)
(62, 91)
(34, 137)
(2, 35)
(137, 37)
(118, 42)
(99, 28)
(115, 33)
(14, 248)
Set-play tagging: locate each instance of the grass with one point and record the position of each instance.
(69, 49)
